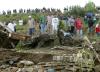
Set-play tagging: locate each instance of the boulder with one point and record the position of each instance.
(25, 63)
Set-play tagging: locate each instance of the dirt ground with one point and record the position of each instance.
(37, 55)
(6, 55)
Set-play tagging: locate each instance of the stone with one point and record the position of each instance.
(97, 68)
(10, 69)
(25, 63)
(25, 70)
(4, 66)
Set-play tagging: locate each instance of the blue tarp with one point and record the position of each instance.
(89, 14)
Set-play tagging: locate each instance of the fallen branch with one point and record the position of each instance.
(92, 48)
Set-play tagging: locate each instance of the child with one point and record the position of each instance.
(97, 29)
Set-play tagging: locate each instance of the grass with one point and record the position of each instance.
(22, 28)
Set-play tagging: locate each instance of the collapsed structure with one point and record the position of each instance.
(9, 39)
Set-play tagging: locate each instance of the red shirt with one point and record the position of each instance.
(98, 28)
(78, 24)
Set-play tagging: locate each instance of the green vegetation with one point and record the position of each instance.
(23, 14)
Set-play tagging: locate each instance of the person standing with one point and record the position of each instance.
(90, 25)
(31, 24)
(72, 24)
(55, 23)
(14, 26)
(37, 27)
(49, 23)
(78, 27)
(69, 23)
(97, 29)
(11, 26)
(43, 23)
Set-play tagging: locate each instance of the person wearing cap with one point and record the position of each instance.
(31, 24)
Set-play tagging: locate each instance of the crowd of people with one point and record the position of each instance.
(50, 24)
(46, 24)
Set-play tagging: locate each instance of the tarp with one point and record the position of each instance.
(89, 14)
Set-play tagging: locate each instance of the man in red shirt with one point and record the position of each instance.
(97, 29)
(78, 27)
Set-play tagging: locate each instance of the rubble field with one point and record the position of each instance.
(56, 59)
(39, 59)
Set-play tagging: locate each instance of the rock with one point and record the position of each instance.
(10, 69)
(97, 68)
(58, 58)
(41, 63)
(13, 69)
(25, 63)
(13, 60)
(4, 66)
(51, 70)
(25, 70)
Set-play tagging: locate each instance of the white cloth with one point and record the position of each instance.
(55, 23)
(11, 26)
(20, 22)
(66, 33)
(14, 24)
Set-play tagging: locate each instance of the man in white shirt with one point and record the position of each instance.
(55, 23)
(11, 26)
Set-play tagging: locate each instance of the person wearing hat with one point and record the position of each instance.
(31, 24)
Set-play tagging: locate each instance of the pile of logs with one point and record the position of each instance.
(9, 39)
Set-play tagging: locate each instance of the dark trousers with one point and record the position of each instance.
(31, 30)
(72, 29)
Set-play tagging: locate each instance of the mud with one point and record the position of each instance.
(6, 55)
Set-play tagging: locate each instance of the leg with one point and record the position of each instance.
(30, 31)
(81, 33)
(41, 28)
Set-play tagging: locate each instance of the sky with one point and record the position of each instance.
(32, 4)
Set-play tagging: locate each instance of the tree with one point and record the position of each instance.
(20, 10)
(3, 12)
(76, 11)
(9, 12)
(90, 7)
(28, 11)
(24, 11)
(14, 11)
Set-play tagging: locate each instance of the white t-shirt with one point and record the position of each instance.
(55, 23)
(11, 26)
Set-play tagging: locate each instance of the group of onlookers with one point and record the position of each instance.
(49, 24)
(76, 25)
(45, 24)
